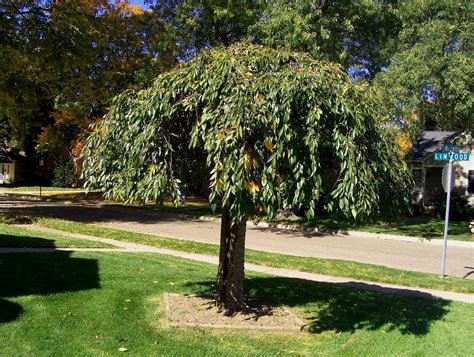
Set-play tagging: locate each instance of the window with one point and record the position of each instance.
(418, 177)
(470, 181)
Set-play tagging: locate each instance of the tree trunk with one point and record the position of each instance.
(230, 274)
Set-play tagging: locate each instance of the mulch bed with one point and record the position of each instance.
(201, 312)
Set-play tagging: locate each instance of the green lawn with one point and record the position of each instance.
(54, 193)
(343, 268)
(92, 304)
(19, 189)
(16, 237)
(193, 207)
(431, 229)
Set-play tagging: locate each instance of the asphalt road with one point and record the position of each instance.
(423, 257)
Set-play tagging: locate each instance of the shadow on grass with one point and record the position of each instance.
(331, 307)
(434, 229)
(88, 213)
(23, 274)
(17, 241)
(9, 311)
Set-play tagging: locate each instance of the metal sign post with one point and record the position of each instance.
(448, 186)
(41, 164)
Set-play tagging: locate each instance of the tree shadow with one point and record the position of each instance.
(297, 233)
(339, 308)
(45, 273)
(91, 213)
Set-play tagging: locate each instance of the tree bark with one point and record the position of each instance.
(230, 274)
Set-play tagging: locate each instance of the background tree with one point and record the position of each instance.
(358, 34)
(279, 129)
(24, 75)
(418, 53)
(62, 61)
(428, 84)
(201, 24)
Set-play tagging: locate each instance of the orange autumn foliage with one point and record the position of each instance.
(404, 143)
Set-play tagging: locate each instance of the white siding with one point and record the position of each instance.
(8, 170)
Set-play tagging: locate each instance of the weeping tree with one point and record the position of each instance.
(275, 129)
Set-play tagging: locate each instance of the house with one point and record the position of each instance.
(7, 167)
(427, 172)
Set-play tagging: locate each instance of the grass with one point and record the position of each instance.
(430, 228)
(332, 267)
(53, 193)
(20, 189)
(92, 304)
(16, 237)
(194, 206)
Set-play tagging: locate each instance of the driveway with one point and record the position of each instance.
(414, 256)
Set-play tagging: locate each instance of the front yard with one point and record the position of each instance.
(95, 303)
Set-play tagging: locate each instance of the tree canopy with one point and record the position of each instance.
(279, 130)
(62, 61)
(428, 83)
(200, 24)
(358, 34)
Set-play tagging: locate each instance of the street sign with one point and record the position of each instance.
(456, 156)
(446, 181)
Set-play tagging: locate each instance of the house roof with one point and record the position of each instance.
(429, 142)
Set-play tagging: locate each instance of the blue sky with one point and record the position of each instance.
(139, 2)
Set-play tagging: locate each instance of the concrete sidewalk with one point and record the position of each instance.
(127, 247)
(405, 255)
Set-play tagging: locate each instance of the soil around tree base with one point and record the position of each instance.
(187, 311)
